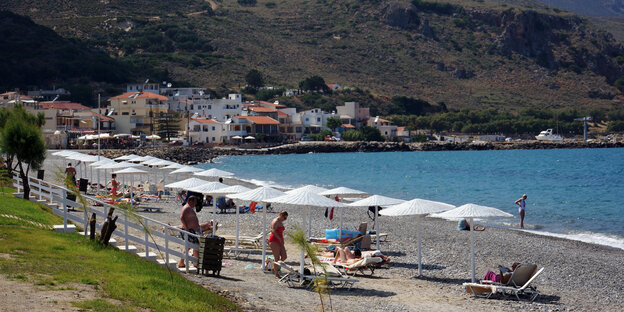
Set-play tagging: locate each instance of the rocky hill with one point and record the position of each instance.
(467, 54)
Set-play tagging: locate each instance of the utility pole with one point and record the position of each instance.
(99, 135)
(188, 126)
(585, 120)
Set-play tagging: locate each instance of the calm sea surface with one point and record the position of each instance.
(575, 193)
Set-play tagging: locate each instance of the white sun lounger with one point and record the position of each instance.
(294, 278)
(518, 284)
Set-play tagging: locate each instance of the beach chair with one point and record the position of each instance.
(294, 278)
(370, 261)
(519, 284)
(251, 241)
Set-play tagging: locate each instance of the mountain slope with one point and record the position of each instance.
(466, 54)
(602, 8)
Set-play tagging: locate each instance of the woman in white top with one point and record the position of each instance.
(521, 205)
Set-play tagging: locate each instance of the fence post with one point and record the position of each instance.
(64, 210)
(166, 245)
(186, 258)
(86, 220)
(146, 239)
(126, 228)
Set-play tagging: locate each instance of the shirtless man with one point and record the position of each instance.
(71, 172)
(190, 223)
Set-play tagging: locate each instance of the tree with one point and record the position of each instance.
(352, 135)
(314, 83)
(20, 138)
(167, 125)
(371, 134)
(254, 79)
(333, 123)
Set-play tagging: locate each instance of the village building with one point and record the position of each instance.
(386, 127)
(352, 113)
(135, 112)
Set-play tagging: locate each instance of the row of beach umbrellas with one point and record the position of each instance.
(306, 197)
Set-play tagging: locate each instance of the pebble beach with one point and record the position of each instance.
(577, 276)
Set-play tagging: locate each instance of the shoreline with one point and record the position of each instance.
(200, 154)
(570, 266)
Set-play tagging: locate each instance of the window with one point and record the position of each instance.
(133, 112)
(213, 139)
(209, 106)
(125, 113)
(213, 128)
(318, 119)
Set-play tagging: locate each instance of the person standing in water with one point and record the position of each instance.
(521, 202)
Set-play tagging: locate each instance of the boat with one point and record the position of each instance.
(547, 135)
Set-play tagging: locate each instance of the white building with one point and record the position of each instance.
(206, 131)
(386, 127)
(199, 103)
(351, 113)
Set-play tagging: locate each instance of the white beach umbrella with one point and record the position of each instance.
(341, 192)
(376, 201)
(132, 172)
(186, 169)
(122, 135)
(472, 211)
(308, 188)
(139, 159)
(259, 195)
(418, 207)
(125, 157)
(152, 160)
(213, 173)
(162, 163)
(305, 199)
(173, 166)
(103, 160)
(120, 165)
(234, 189)
(153, 137)
(208, 188)
(187, 184)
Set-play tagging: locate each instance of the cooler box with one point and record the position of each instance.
(333, 233)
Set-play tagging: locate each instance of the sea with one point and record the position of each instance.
(572, 193)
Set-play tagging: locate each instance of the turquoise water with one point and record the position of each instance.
(571, 192)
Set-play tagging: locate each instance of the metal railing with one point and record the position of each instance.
(55, 197)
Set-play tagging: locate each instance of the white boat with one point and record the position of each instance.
(548, 135)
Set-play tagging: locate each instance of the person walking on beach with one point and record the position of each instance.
(71, 173)
(190, 223)
(521, 202)
(276, 240)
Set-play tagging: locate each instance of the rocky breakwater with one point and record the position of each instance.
(194, 155)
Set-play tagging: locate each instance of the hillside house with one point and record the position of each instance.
(352, 113)
(386, 127)
(206, 131)
(134, 112)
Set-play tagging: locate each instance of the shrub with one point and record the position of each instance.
(616, 126)
(247, 2)
(352, 135)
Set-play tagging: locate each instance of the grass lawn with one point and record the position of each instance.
(44, 257)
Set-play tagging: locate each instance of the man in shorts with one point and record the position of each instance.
(190, 223)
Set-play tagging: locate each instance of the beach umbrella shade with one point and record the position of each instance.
(186, 169)
(125, 157)
(376, 201)
(472, 211)
(208, 188)
(342, 192)
(305, 199)
(153, 137)
(259, 195)
(234, 189)
(173, 166)
(308, 188)
(151, 161)
(187, 184)
(132, 172)
(418, 207)
(237, 137)
(213, 173)
(103, 160)
(249, 137)
(105, 136)
(122, 135)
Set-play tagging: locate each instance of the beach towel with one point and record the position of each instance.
(252, 207)
(331, 214)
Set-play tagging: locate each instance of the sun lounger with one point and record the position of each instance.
(294, 278)
(519, 284)
(252, 241)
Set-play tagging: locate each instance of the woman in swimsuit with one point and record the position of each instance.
(114, 185)
(276, 240)
(521, 202)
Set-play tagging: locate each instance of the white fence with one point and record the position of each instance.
(55, 197)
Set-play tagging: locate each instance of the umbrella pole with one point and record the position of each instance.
(376, 225)
(472, 248)
(419, 248)
(309, 222)
(132, 191)
(341, 214)
(302, 263)
(237, 222)
(98, 181)
(263, 236)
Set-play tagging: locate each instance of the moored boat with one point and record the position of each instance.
(548, 135)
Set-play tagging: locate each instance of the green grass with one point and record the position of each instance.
(25, 210)
(57, 260)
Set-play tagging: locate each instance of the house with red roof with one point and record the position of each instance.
(352, 113)
(255, 125)
(136, 112)
(206, 130)
(386, 127)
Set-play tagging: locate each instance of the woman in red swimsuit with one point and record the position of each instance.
(276, 240)
(114, 185)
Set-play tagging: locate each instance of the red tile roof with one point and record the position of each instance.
(260, 120)
(102, 117)
(62, 105)
(205, 120)
(280, 113)
(140, 95)
(272, 104)
(348, 126)
(260, 109)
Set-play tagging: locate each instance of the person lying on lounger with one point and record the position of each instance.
(346, 256)
(464, 225)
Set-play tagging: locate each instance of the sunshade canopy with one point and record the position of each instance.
(126, 157)
(213, 173)
(308, 188)
(186, 169)
(472, 211)
(234, 189)
(259, 194)
(208, 188)
(103, 160)
(130, 170)
(376, 200)
(173, 166)
(416, 207)
(305, 198)
(187, 184)
(342, 191)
